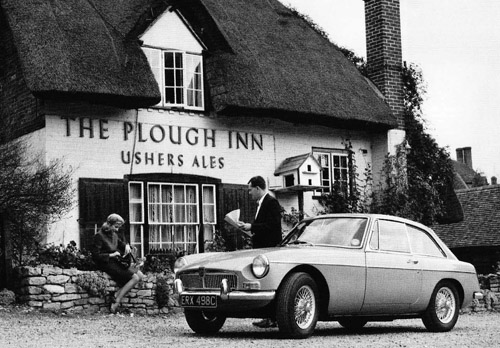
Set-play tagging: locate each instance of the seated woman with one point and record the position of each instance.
(106, 251)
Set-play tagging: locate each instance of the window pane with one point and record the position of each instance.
(179, 96)
(135, 191)
(169, 96)
(178, 60)
(191, 194)
(179, 82)
(393, 236)
(169, 78)
(422, 243)
(169, 60)
(135, 212)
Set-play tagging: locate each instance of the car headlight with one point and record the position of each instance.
(179, 263)
(260, 266)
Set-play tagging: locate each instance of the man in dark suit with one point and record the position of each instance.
(266, 228)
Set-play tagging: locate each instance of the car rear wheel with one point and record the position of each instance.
(353, 323)
(297, 306)
(442, 313)
(204, 323)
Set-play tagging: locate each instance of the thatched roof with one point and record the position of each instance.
(80, 49)
(481, 224)
(262, 60)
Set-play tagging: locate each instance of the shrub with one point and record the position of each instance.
(64, 257)
(162, 290)
(95, 283)
(7, 297)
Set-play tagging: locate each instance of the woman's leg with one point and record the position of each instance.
(136, 278)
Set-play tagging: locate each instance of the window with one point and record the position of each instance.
(390, 236)
(136, 212)
(421, 243)
(180, 77)
(334, 170)
(166, 216)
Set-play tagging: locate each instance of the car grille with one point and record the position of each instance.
(207, 280)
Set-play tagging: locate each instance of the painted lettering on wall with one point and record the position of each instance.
(168, 135)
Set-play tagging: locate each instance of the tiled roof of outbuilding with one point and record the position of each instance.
(481, 224)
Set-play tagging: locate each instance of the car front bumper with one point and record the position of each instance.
(236, 300)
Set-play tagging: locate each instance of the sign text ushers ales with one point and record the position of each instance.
(169, 136)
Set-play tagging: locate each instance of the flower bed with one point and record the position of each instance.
(55, 289)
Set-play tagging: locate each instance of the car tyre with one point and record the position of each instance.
(297, 306)
(443, 309)
(353, 324)
(204, 323)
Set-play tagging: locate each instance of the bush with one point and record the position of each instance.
(162, 290)
(65, 257)
(7, 297)
(93, 282)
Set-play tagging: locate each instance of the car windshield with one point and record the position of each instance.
(336, 231)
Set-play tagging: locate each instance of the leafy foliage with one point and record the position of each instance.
(352, 199)
(95, 283)
(33, 194)
(64, 257)
(419, 177)
(163, 290)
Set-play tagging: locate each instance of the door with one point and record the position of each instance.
(394, 275)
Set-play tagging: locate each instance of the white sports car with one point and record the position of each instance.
(350, 268)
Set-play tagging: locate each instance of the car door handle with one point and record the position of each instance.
(412, 261)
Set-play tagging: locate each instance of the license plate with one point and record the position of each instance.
(200, 301)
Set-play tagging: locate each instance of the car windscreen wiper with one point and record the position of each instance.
(298, 241)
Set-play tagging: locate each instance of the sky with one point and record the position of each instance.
(456, 44)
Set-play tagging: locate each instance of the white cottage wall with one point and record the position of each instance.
(101, 146)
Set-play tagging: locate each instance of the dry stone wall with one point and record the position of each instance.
(55, 289)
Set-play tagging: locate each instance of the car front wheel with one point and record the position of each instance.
(297, 306)
(442, 313)
(204, 323)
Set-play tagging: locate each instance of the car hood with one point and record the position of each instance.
(236, 260)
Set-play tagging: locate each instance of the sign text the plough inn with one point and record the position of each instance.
(165, 135)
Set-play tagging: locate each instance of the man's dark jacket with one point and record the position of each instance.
(266, 228)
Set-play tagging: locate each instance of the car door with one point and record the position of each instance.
(394, 276)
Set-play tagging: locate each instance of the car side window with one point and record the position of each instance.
(393, 236)
(422, 243)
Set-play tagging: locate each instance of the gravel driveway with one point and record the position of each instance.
(23, 328)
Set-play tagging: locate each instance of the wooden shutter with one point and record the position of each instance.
(230, 197)
(97, 199)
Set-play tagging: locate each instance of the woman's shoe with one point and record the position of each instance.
(114, 306)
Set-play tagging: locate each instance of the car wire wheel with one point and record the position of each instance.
(442, 312)
(305, 307)
(297, 305)
(445, 305)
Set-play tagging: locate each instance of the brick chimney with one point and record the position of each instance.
(464, 155)
(383, 51)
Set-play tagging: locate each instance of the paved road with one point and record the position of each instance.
(23, 329)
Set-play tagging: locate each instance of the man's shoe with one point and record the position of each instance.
(265, 323)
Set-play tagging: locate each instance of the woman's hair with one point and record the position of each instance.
(114, 218)
(110, 221)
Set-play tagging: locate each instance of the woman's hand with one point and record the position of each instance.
(128, 249)
(115, 254)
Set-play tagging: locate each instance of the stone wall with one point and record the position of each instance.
(55, 289)
(490, 287)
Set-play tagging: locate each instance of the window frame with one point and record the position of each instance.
(167, 230)
(159, 69)
(332, 153)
